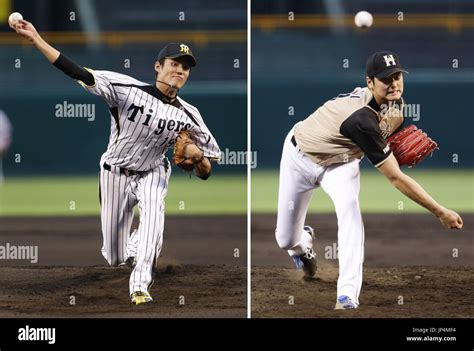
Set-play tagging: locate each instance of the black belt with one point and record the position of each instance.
(127, 172)
(293, 141)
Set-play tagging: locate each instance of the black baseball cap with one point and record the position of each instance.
(175, 50)
(383, 64)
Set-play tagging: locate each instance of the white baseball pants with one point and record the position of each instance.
(119, 195)
(299, 176)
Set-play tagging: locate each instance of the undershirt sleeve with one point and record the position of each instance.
(73, 70)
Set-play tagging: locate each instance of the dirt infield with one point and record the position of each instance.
(410, 270)
(200, 275)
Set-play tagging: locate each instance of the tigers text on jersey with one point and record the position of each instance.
(347, 127)
(144, 123)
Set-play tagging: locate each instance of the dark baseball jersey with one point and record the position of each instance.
(347, 127)
(145, 123)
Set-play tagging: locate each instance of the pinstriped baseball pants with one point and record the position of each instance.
(119, 195)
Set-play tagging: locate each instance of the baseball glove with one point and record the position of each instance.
(411, 145)
(180, 158)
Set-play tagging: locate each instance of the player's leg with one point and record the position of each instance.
(342, 183)
(131, 252)
(117, 201)
(298, 178)
(132, 239)
(151, 193)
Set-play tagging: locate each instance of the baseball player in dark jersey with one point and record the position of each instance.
(325, 150)
(145, 121)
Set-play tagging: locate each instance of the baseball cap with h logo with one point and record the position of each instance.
(383, 64)
(175, 50)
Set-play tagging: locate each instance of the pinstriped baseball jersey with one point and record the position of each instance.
(145, 123)
(347, 127)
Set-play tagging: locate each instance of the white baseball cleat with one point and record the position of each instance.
(344, 302)
(307, 261)
(309, 230)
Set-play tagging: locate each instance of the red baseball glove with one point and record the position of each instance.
(411, 145)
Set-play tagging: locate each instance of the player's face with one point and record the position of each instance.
(387, 89)
(174, 72)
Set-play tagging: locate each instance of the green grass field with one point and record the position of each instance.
(452, 189)
(69, 196)
(227, 194)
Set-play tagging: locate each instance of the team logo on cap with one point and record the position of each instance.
(184, 48)
(389, 60)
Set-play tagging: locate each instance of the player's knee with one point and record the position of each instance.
(349, 204)
(285, 241)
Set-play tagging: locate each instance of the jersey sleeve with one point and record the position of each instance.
(362, 128)
(103, 85)
(202, 136)
(206, 142)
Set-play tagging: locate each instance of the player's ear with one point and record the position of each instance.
(157, 67)
(370, 82)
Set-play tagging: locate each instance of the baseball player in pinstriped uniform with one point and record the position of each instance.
(145, 121)
(324, 151)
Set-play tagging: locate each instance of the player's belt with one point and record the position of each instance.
(127, 172)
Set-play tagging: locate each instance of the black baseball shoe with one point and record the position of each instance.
(129, 262)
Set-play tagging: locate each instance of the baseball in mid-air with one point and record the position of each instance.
(14, 18)
(363, 19)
